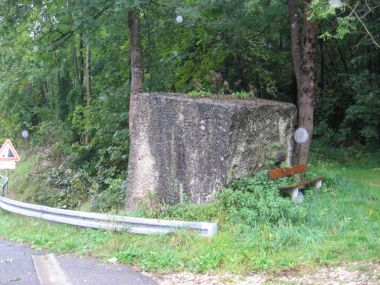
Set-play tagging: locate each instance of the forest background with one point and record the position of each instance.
(65, 76)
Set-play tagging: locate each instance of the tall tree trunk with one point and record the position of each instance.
(88, 75)
(303, 53)
(43, 93)
(88, 84)
(81, 60)
(137, 73)
(322, 69)
(137, 81)
(75, 62)
(73, 45)
(64, 85)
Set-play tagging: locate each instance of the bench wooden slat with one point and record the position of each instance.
(287, 171)
(302, 184)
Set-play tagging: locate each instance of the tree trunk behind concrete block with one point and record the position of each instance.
(187, 149)
(303, 46)
(137, 71)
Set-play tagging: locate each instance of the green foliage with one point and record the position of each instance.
(93, 174)
(242, 95)
(65, 192)
(340, 224)
(345, 24)
(193, 212)
(365, 112)
(255, 200)
(221, 47)
(111, 197)
(214, 48)
(349, 46)
(249, 201)
(201, 93)
(231, 47)
(207, 260)
(321, 10)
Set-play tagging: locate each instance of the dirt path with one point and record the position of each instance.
(354, 273)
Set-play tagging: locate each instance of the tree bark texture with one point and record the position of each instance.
(88, 75)
(43, 93)
(303, 46)
(88, 85)
(81, 60)
(137, 73)
(73, 45)
(75, 62)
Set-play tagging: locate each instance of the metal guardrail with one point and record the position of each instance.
(104, 221)
(4, 184)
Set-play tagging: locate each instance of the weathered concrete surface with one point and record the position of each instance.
(189, 148)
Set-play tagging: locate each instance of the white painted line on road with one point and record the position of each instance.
(48, 270)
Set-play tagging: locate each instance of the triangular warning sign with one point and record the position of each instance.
(8, 152)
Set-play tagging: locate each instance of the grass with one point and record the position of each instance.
(21, 186)
(342, 224)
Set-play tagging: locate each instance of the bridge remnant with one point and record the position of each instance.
(187, 149)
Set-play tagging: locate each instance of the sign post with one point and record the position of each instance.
(8, 158)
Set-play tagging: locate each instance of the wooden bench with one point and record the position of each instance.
(294, 189)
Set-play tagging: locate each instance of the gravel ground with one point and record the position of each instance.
(353, 273)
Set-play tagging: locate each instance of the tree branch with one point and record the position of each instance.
(370, 10)
(353, 11)
(295, 39)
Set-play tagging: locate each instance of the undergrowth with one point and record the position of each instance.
(258, 229)
(248, 201)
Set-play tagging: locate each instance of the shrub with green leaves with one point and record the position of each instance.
(243, 95)
(200, 93)
(63, 188)
(112, 197)
(248, 201)
(92, 174)
(252, 200)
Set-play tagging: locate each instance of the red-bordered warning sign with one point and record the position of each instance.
(8, 152)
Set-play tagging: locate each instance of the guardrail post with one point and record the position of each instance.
(6, 182)
(4, 186)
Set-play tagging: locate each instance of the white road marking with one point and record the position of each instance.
(48, 270)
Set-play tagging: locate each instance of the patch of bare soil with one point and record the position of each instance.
(352, 273)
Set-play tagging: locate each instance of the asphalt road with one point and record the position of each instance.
(17, 268)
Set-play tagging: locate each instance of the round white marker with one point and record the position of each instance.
(25, 134)
(301, 135)
(179, 19)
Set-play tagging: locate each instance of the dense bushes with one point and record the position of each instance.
(90, 175)
(256, 199)
(248, 201)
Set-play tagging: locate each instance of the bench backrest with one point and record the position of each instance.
(287, 171)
